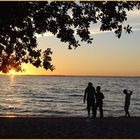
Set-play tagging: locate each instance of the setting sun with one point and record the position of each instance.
(11, 72)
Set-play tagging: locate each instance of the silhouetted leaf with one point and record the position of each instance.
(21, 21)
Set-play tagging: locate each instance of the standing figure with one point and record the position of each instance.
(127, 101)
(99, 100)
(89, 96)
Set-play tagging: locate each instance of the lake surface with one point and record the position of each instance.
(63, 96)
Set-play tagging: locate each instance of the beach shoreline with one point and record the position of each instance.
(61, 127)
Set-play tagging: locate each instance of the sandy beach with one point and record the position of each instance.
(69, 127)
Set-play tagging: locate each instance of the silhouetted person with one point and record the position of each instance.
(99, 100)
(127, 101)
(89, 95)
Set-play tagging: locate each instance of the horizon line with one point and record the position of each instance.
(71, 75)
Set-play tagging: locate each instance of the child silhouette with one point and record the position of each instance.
(127, 101)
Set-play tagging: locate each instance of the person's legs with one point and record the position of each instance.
(89, 112)
(126, 108)
(101, 110)
(88, 109)
(94, 110)
(127, 113)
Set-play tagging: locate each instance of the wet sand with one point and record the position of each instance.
(36, 127)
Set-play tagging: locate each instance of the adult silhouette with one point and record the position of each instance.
(89, 96)
(127, 102)
(99, 100)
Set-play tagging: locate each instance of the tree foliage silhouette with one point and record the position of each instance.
(21, 21)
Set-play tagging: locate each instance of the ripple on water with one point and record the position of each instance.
(64, 95)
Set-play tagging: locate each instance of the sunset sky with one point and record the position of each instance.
(106, 56)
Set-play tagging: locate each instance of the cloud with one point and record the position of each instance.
(133, 20)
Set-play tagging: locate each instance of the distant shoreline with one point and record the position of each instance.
(73, 76)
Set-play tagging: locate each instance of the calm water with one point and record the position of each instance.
(45, 95)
